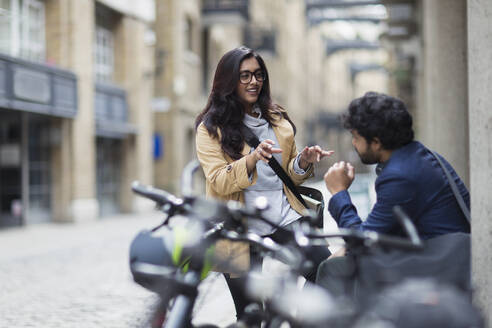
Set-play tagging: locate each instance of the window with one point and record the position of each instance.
(22, 29)
(103, 54)
(33, 45)
(104, 43)
(5, 25)
(188, 30)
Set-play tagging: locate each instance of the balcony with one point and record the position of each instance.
(319, 11)
(111, 112)
(323, 4)
(356, 68)
(225, 11)
(37, 88)
(334, 46)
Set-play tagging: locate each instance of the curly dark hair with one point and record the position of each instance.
(376, 115)
(225, 112)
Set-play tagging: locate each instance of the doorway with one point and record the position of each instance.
(109, 159)
(39, 158)
(10, 168)
(25, 168)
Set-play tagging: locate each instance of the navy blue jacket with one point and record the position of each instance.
(413, 179)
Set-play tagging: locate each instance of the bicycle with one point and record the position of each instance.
(184, 273)
(175, 272)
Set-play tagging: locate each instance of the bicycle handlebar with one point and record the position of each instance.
(372, 238)
(235, 212)
(159, 196)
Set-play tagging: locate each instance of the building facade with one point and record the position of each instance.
(74, 109)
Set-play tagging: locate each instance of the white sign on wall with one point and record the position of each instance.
(161, 104)
(10, 155)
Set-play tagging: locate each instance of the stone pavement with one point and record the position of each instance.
(77, 275)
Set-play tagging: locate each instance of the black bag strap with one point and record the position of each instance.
(253, 141)
(454, 188)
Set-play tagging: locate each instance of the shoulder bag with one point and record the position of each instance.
(445, 258)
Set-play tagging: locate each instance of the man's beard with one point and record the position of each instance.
(368, 157)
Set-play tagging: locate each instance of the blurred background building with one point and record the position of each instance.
(75, 120)
(95, 94)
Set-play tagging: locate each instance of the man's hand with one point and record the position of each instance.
(339, 177)
(312, 155)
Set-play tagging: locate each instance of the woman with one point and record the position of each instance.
(234, 171)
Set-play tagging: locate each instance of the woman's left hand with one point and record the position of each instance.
(312, 154)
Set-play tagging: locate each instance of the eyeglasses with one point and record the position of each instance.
(245, 77)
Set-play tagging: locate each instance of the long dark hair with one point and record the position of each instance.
(224, 110)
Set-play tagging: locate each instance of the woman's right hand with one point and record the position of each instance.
(263, 152)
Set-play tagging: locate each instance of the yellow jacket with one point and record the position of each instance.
(227, 178)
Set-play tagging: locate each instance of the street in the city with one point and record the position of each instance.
(72, 275)
(77, 275)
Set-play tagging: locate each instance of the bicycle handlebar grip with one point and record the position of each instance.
(407, 225)
(396, 242)
(159, 196)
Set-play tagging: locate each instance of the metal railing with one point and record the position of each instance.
(37, 88)
(225, 7)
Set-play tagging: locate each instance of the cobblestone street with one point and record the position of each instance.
(77, 275)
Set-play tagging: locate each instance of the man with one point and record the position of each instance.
(408, 175)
